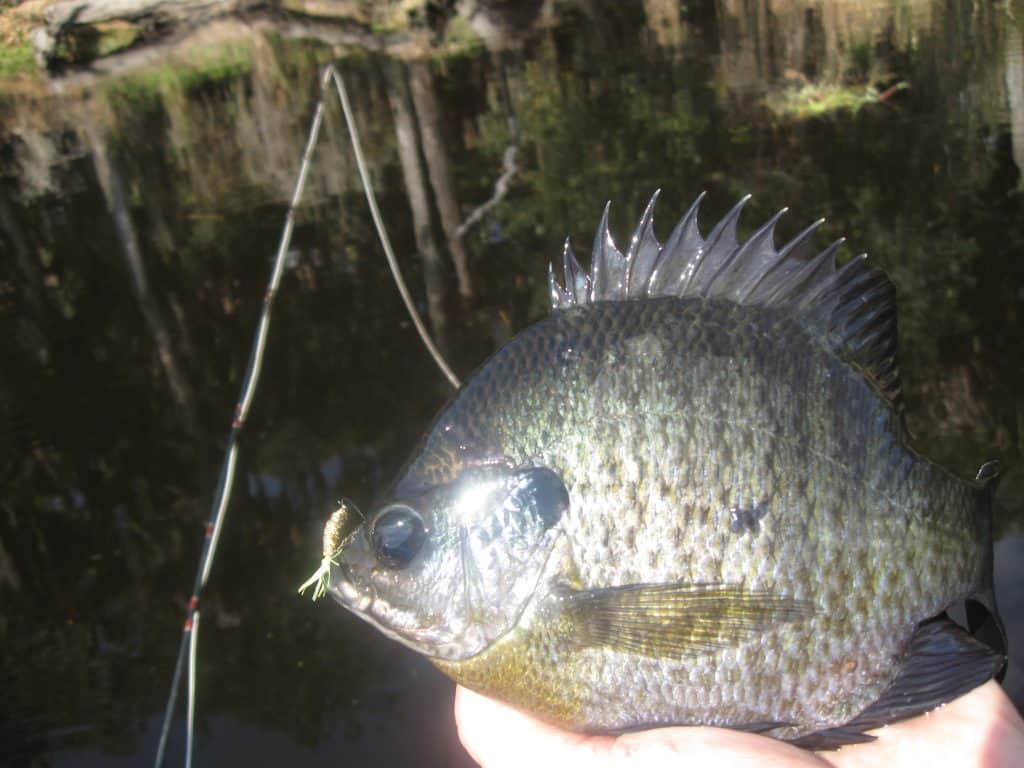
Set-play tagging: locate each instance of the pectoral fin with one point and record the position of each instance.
(675, 620)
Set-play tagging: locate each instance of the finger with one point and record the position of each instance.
(497, 736)
(718, 747)
(979, 729)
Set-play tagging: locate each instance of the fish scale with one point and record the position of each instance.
(708, 511)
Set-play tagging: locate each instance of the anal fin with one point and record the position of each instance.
(941, 663)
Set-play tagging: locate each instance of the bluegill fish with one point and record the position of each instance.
(685, 497)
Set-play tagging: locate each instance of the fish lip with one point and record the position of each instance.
(362, 605)
(363, 601)
(351, 596)
(361, 598)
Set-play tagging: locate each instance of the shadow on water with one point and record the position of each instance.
(137, 218)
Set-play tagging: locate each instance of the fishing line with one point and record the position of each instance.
(190, 630)
(381, 233)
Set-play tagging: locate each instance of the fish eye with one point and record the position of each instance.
(397, 535)
(541, 493)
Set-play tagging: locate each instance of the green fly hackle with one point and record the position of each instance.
(336, 530)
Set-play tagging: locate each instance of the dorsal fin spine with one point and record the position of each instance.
(766, 234)
(818, 277)
(726, 228)
(718, 248)
(762, 287)
(675, 248)
(642, 253)
(577, 284)
(788, 249)
(851, 309)
(559, 298)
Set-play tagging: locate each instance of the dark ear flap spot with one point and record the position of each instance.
(540, 492)
(988, 473)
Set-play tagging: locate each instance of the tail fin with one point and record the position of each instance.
(982, 615)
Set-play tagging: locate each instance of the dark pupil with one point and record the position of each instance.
(398, 534)
(541, 493)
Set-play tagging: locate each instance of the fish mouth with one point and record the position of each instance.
(376, 612)
(353, 598)
(363, 600)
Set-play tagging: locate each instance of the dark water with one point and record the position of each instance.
(137, 223)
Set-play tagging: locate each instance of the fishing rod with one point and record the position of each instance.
(187, 650)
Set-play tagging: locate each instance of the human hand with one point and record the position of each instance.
(980, 729)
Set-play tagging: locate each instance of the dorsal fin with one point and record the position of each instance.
(851, 308)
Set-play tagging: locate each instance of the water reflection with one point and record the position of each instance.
(137, 218)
